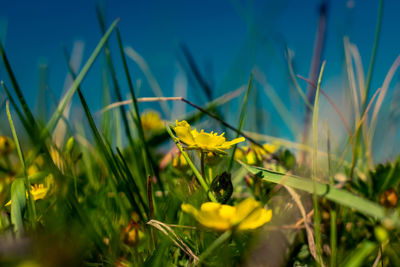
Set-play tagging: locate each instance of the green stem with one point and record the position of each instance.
(368, 82)
(373, 55)
(31, 203)
(216, 244)
(202, 163)
(332, 211)
(241, 121)
(317, 216)
(194, 169)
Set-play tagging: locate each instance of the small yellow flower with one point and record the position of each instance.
(255, 154)
(247, 215)
(38, 191)
(179, 161)
(205, 142)
(151, 121)
(6, 145)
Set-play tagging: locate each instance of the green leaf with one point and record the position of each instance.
(18, 203)
(358, 256)
(339, 196)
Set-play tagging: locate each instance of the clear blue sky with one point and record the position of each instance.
(218, 33)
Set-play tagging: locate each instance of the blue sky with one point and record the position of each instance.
(220, 34)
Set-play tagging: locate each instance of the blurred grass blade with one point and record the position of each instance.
(16, 108)
(358, 256)
(31, 204)
(277, 102)
(351, 79)
(289, 58)
(117, 90)
(241, 120)
(336, 195)
(196, 72)
(68, 96)
(148, 164)
(382, 94)
(18, 91)
(317, 216)
(141, 62)
(18, 203)
(373, 53)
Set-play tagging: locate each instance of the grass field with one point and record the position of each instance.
(134, 187)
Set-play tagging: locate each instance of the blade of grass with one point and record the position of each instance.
(30, 203)
(331, 193)
(111, 68)
(68, 95)
(358, 256)
(241, 120)
(149, 164)
(194, 169)
(352, 83)
(373, 54)
(332, 210)
(382, 94)
(315, 66)
(141, 62)
(335, 107)
(317, 216)
(289, 58)
(18, 203)
(20, 96)
(277, 102)
(16, 108)
(216, 244)
(196, 72)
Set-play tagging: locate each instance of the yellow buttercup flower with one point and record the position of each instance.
(205, 142)
(247, 215)
(151, 121)
(38, 191)
(255, 154)
(179, 161)
(6, 145)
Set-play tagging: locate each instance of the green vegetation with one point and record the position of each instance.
(126, 187)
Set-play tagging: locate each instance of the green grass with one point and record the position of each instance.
(110, 191)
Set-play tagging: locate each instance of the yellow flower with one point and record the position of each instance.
(205, 142)
(255, 154)
(179, 161)
(151, 121)
(38, 191)
(6, 145)
(247, 215)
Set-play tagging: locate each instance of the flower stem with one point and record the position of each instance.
(216, 244)
(202, 163)
(194, 169)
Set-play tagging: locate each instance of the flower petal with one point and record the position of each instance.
(229, 144)
(183, 133)
(256, 219)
